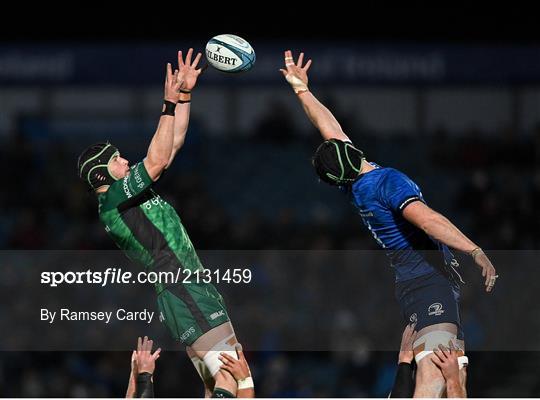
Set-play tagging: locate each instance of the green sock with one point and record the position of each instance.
(222, 393)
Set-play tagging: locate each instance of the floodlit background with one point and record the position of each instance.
(461, 117)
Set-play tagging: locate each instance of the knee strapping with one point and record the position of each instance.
(424, 345)
(211, 358)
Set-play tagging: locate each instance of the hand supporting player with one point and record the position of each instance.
(488, 270)
(143, 364)
(406, 353)
(295, 73)
(145, 360)
(239, 369)
(447, 361)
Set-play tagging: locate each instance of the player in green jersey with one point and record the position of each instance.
(150, 231)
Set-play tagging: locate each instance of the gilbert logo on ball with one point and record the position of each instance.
(230, 53)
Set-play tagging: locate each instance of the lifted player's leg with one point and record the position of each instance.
(207, 348)
(429, 379)
(196, 315)
(203, 371)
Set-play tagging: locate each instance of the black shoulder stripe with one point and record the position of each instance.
(408, 201)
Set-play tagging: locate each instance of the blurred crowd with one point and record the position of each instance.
(259, 192)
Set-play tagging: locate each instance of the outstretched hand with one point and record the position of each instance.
(488, 270)
(172, 86)
(188, 73)
(296, 73)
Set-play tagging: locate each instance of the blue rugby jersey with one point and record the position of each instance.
(380, 197)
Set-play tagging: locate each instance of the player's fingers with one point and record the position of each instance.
(289, 60)
(437, 362)
(239, 350)
(180, 59)
(308, 64)
(406, 333)
(227, 368)
(413, 336)
(145, 344)
(284, 72)
(240, 353)
(197, 59)
(223, 360)
(156, 353)
(300, 60)
(169, 72)
(139, 343)
(451, 346)
(149, 345)
(444, 350)
(203, 68)
(490, 278)
(188, 56)
(228, 357)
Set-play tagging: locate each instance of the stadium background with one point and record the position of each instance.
(458, 111)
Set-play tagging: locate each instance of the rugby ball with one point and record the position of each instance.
(230, 53)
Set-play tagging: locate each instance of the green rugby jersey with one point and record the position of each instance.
(145, 226)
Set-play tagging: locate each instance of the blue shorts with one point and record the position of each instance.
(430, 299)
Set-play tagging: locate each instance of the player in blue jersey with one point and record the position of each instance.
(416, 238)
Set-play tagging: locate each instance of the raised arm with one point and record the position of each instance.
(187, 77)
(441, 229)
(320, 116)
(161, 145)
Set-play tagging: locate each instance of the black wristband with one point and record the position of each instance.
(168, 108)
(184, 101)
(145, 387)
(185, 91)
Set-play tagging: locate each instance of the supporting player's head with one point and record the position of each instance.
(338, 162)
(100, 164)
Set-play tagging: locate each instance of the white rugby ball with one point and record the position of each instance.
(230, 53)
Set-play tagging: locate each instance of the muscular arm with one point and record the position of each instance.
(160, 148)
(181, 122)
(321, 117)
(188, 73)
(159, 151)
(438, 227)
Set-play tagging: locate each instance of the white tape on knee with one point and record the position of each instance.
(211, 358)
(202, 369)
(432, 340)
